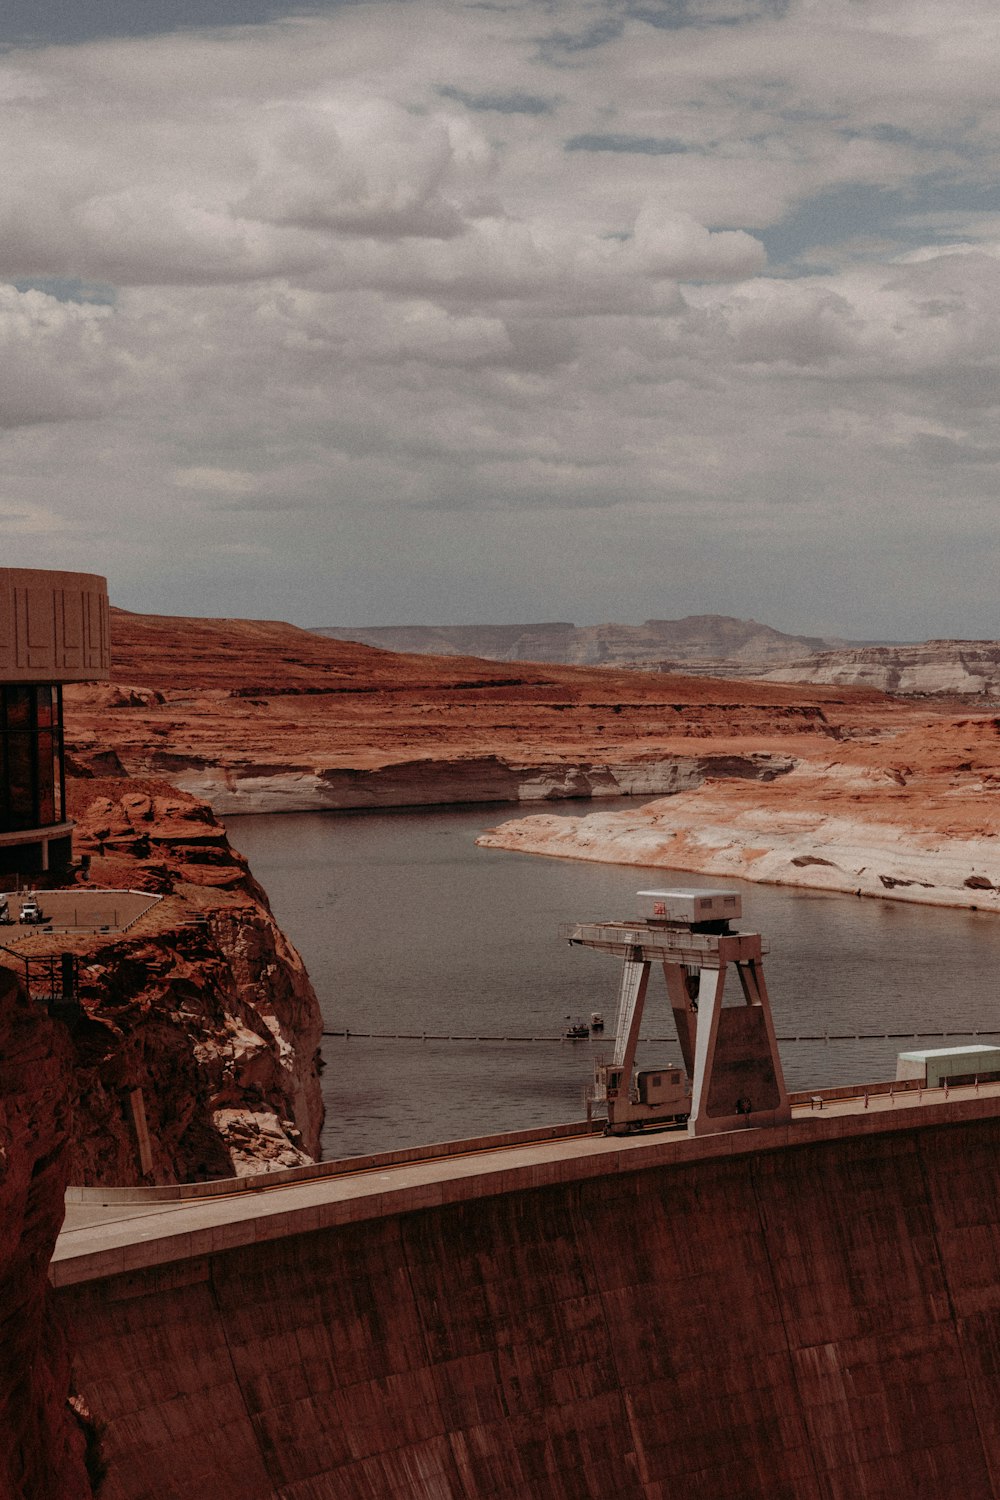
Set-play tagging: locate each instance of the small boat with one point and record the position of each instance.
(576, 1031)
(596, 1021)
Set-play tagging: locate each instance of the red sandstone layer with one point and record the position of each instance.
(260, 716)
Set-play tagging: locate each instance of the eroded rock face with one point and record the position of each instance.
(203, 1005)
(42, 1445)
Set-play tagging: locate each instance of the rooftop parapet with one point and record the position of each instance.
(54, 626)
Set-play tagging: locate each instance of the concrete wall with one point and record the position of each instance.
(817, 1322)
(54, 627)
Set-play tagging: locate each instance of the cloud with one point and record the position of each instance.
(363, 168)
(215, 481)
(643, 309)
(27, 520)
(512, 103)
(633, 145)
(672, 244)
(56, 363)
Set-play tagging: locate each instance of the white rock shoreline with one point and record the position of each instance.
(811, 849)
(231, 790)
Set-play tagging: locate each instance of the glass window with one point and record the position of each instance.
(30, 757)
(20, 788)
(18, 707)
(46, 781)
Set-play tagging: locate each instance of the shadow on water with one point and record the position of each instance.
(406, 926)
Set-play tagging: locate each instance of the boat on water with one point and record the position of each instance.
(576, 1031)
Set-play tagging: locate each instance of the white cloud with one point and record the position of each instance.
(56, 362)
(18, 519)
(417, 292)
(361, 167)
(215, 481)
(672, 244)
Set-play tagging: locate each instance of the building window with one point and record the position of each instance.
(31, 757)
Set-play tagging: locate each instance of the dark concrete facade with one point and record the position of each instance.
(802, 1314)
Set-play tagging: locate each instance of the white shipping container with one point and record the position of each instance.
(932, 1065)
(690, 906)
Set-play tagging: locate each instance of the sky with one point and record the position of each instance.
(403, 311)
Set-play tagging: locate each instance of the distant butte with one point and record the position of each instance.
(718, 646)
(718, 643)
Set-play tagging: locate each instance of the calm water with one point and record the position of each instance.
(405, 926)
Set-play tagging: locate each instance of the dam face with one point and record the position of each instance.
(808, 1315)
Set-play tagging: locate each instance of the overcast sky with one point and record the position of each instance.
(414, 311)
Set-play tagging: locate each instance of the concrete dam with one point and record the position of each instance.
(809, 1312)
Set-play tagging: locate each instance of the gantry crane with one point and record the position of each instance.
(731, 1074)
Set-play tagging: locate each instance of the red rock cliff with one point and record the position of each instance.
(207, 1010)
(203, 1005)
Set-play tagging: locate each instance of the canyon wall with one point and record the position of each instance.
(815, 1321)
(446, 782)
(956, 669)
(203, 1012)
(204, 1004)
